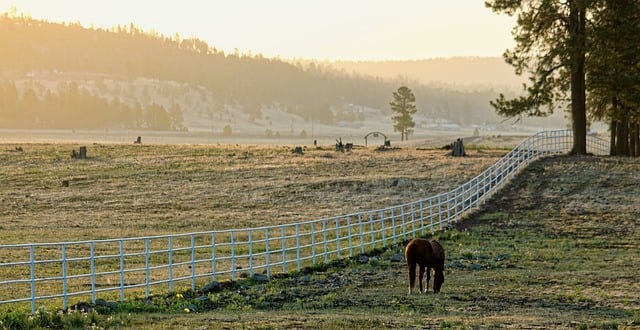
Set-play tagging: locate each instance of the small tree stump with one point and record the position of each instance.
(298, 150)
(457, 148)
(65, 183)
(83, 153)
(138, 140)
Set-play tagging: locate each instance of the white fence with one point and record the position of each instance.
(116, 268)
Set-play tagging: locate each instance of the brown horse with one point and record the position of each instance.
(428, 254)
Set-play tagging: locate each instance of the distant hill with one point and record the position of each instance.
(454, 72)
(66, 76)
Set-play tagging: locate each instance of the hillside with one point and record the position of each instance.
(66, 76)
(458, 72)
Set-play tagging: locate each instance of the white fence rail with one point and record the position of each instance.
(117, 268)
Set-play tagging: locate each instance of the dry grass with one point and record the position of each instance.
(139, 190)
(550, 251)
(556, 248)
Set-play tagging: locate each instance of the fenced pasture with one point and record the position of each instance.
(72, 270)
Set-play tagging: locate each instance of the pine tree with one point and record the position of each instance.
(551, 46)
(403, 107)
(614, 73)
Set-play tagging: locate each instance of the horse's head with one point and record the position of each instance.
(438, 279)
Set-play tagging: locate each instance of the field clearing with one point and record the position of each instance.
(557, 248)
(550, 251)
(142, 190)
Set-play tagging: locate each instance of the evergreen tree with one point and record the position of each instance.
(403, 107)
(551, 46)
(614, 72)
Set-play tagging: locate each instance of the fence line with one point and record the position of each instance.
(64, 271)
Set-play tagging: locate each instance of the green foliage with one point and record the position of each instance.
(403, 107)
(551, 47)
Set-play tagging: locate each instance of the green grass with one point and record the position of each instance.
(551, 250)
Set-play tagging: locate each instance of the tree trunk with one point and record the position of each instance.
(622, 138)
(577, 26)
(636, 137)
(612, 143)
(633, 132)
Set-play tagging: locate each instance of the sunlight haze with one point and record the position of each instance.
(324, 30)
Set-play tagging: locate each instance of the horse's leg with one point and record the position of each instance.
(421, 277)
(412, 275)
(428, 279)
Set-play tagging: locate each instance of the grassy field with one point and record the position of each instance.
(557, 248)
(141, 190)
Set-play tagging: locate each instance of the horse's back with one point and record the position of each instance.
(418, 250)
(425, 252)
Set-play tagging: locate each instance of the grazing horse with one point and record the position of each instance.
(428, 254)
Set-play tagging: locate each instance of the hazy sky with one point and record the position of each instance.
(320, 29)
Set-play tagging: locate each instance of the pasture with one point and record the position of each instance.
(552, 250)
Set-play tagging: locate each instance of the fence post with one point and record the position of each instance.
(349, 234)
(170, 248)
(146, 268)
(422, 217)
(64, 277)
(313, 242)
(440, 211)
(456, 203)
(431, 214)
(284, 250)
(361, 233)
(121, 270)
(324, 232)
(298, 245)
(233, 255)
(373, 232)
(383, 229)
(32, 276)
(413, 221)
(337, 237)
(213, 256)
(92, 270)
(266, 251)
(448, 206)
(193, 262)
(393, 225)
(250, 252)
(404, 223)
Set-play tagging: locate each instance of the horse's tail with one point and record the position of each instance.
(411, 265)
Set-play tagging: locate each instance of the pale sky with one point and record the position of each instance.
(308, 29)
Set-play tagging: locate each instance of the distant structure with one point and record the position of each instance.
(387, 142)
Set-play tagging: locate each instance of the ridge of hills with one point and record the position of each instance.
(66, 76)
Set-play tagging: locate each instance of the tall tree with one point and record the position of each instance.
(614, 72)
(551, 46)
(403, 107)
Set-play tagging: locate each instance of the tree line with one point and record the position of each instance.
(72, 107)
(582, 55)
(248, 82)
